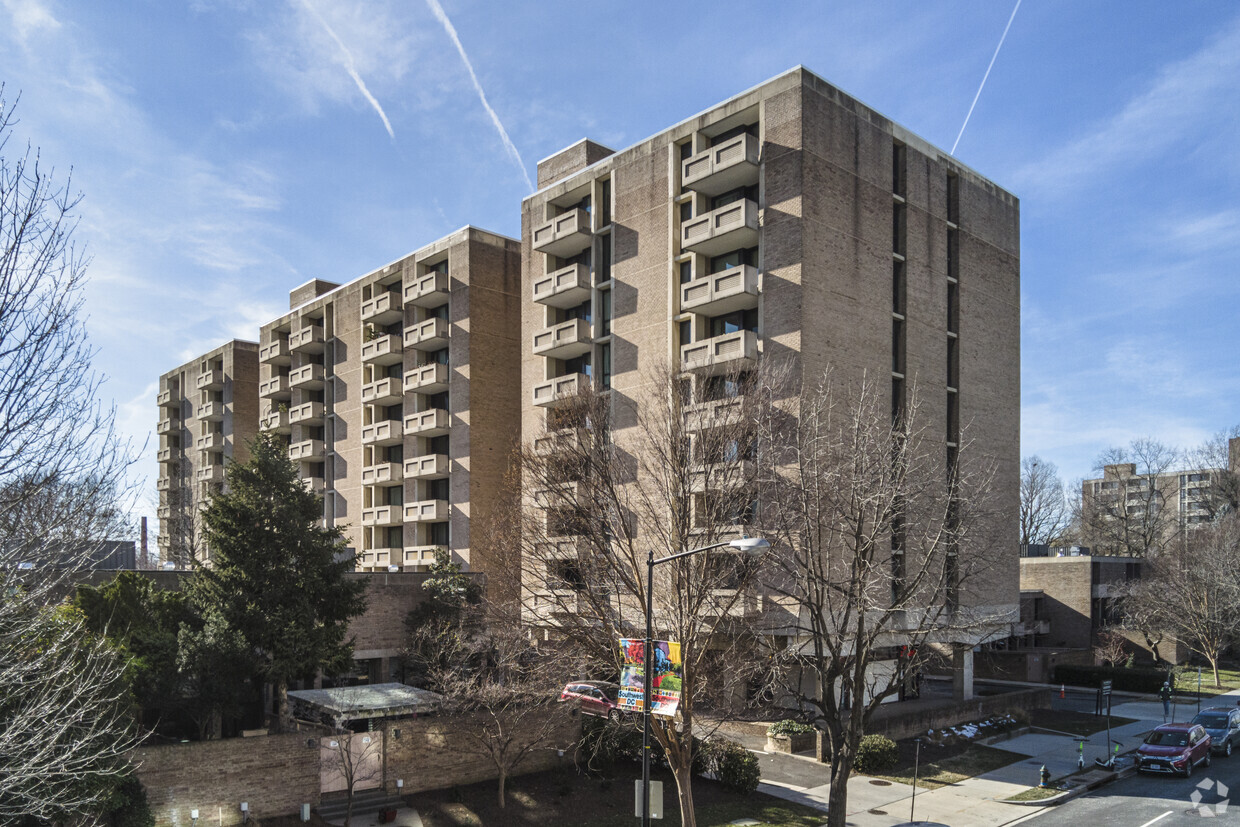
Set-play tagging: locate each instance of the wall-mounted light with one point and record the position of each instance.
(245, 811)
(193, 816)
(400, 783)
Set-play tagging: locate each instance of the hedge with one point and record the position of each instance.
(1129, 680)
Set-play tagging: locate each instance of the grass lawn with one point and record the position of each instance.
(1230, 678)
(935, 772)
(1074, 723)
(1034, 794)
(565, 797)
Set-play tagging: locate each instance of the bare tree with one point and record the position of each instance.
(1191, 590)
(357, 759)
(883, 531)
(1132, 512)
(64, 720)
(1044, 512)
(1218, 461)
(1112, 648)
(615, 479)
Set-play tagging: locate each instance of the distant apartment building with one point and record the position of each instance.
(398, 393)
(790, 220)
(208, 414)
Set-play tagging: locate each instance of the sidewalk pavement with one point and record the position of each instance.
(973, 802)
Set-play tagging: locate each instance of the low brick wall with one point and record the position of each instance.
(274, 774)
(917, 722)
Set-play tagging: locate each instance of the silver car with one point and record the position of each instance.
(1223, 725)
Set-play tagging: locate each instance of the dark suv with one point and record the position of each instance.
(1223, 725)
(1174, 748)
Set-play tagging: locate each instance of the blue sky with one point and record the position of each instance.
(230, 150)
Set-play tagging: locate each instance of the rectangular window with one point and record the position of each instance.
(686, 150)
(440, 312)
(953, 307)
(953, 199)
(581, 311)
(953, 363)
(437, 489)
(686, 333)
(897, 346)
(686, 211)
(899, 169)
(395, 537)
(897, 399)
(438, 400)
(437, 534)
(604, 322)
(605, 207)
(734, 259)
(604, 366)
(953, 417)
(603, 272)
(393, 495)
(734, 321)
(686, 272)
(898, 229)
(898, 289)
(953, 255)
(437, 445)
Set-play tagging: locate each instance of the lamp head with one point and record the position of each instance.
(750, 545)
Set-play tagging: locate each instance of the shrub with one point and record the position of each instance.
(788, 727)
(1139, 679)
(875, 753)
(127, 806)
(735, 767)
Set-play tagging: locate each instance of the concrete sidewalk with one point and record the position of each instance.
(973, 802)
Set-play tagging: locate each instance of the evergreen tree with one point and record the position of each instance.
(276, 575)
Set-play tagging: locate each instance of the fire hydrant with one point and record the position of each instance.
(1045, 775)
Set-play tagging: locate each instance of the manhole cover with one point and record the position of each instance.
(877, 782)
(878, 812)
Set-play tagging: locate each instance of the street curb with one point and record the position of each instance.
(1068, 795)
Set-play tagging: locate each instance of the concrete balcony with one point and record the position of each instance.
(307, 339)
(164, 455)
(433, 422)
(383, 392)
(561, 390)
(387, 432)
(731, 603)
(567, 287)
(383, 350)
(307, 377)
(431, 334)
(275, 420)
(723, 167)
(307, 413)
(564, 341)
(386, 473)
(716, 413)
(722, 476)
(427, 511)
(427, 290)
(731, 227)
(163, 484)
(721, 354)
(212, 473)
(432, 378)
(275, 353)
(168, 399)
(557, 442)
(381, 558)
(168, 426)
(211, 411)
(210, 380)
(212, 443)
(565, 235)
(164, 513)
(421, 555)
(308, 450)
(383, 309)
(428, 467)
(383, 515)
(276, 387)
(733, 289)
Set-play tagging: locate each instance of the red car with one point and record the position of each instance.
(1174, 748)
(596, 697)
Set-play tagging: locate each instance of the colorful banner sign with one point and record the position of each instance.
(665, 686)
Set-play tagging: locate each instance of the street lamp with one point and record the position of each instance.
(746, 545)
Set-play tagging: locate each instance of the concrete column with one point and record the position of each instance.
(962, 673)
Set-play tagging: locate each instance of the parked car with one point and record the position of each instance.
(1223, 725)
(1174, 748)
(596, 697)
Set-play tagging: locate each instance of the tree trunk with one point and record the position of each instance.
(684, 795)
(282, 718)
(1218, 684)
(837, 804)
(503, 779)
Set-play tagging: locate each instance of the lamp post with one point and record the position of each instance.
(747, 545)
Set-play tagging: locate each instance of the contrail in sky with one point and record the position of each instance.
(983, 83)
(352, 70)
(438, 11)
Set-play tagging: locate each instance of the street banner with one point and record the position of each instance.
(665, 685)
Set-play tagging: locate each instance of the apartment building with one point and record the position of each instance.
(208, 414)
(790, 220)
(398, 395)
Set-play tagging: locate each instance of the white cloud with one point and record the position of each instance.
(350, 66)
(29, 17)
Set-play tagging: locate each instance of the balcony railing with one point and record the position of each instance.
(168, 426)
(308, 450)
(431, 334)
(163, 455)
(275, 353)
(212, 410)
(723, 167)
(306, 339)
(211, 473)
(383, 309)
(432, 378)
(564, 341)
(716, 413)
(730, 227)
(421, 555)
(210, 380)
(556, 442)
(427, 467)
(163, 484)
(566, 287)
(427, 290)
(721, 354)
(315, 485)
(730, 603)
(385, 473)
(387, 432)
(277, 420)
(307, 377)
(560, 390)
(276, 387)
(168, 399)
(383, 515)
(433, 422)
(383, 350)
(723, 476)
(383, 392)
(427, 511)
(565, 235)
(723, 292)
(213, 442)
(307, 413)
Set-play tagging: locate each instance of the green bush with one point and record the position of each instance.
(127, 805)
(735, 767)
(875, 753)
(1141, 679)
(788, 727)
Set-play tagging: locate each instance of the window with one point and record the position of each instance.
(953, 199)
(686, 150)
(437, 489)
(686, 211)
(733, 196)
(393, 495)
(897, 346)
(686, 333)
(735, 321)
(897, 229)
(437, 445)
(395, 537)
(578, 364)
(736, 258)
(898, 291)
(437, 534)
(438, 400)
(603, 272)
(953, 307)
(953, 418)
(433, 357)
(605, 205)
(581, 311)
(953, 255)
(604, 366)
(899, 169)
(686, 272)
(953, 363)
(604, 322)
